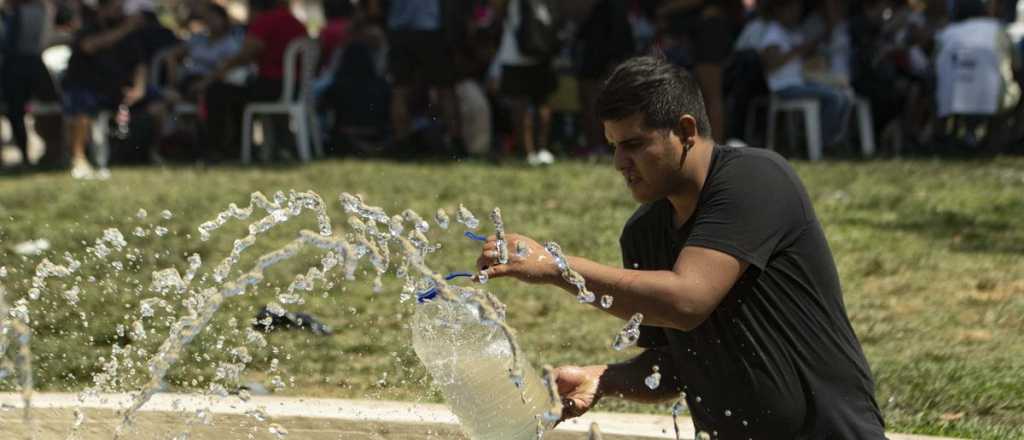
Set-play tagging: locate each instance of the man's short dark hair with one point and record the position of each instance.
(656, 89)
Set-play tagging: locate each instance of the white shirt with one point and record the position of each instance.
(752, 34)
(974, 69)
(791, 73)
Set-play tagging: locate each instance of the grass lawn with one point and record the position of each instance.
(931, 255)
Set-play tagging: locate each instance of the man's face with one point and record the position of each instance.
(649, 160)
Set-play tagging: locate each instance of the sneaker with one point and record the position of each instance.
(80, 168)
(533, 159)
(545, 157)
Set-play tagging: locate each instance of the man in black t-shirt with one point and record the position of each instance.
(729, 266)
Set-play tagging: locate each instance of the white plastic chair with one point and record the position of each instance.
(156, 71)
(300, 60)
(865, 126)
(811, 110)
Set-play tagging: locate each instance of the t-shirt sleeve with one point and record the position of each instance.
(650, 337)
(750, 208)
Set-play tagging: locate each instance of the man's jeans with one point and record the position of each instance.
(835, 107)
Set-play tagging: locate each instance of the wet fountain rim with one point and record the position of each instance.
(638, 426)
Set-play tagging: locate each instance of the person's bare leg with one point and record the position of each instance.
(160, 113)
(529, 141)
(710, 78)
(400, 112)
(544, 129)
(79, 128)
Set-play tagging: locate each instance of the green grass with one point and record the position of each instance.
(930, 254)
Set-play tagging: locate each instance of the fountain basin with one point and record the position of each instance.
(167, 415)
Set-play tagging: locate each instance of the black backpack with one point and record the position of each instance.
(538, 29)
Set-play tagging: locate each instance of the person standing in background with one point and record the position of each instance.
(525, 83)
(704, 31)
(422, 38)
(606, 38)
(28, 25)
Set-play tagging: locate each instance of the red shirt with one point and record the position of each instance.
(275, 28)
(336, 34)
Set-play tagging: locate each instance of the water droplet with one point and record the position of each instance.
(167, 215)
(654, 380)
(744, 422)
(466, 217)
(697, 399)
(141, 214)
(138, 332)
(290, 298)
(3, 271)
(522, 250)
(441, 218)
(703, 436)
(629, 334)
(606, 301)
(728, 413)
(378, 285)
(482, 277)
(71, 295)
(160, 231)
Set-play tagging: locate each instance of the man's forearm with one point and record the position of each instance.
(660, 295)
(626, 380)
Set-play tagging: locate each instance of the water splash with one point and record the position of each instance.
(630, 334)
(16, 325)
(441, 218)
(606, 301)
(677, 409)
(466, 217)
(364, 242)
(499, 233)
(583, 294)
(522, 250)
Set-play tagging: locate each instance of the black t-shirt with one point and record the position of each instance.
(777, 359)
(107, 70)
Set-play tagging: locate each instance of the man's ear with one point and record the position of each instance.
(687, 131)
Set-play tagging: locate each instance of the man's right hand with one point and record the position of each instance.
(579, 388)
(536, 266)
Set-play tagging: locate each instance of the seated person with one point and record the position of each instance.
(106, 70)
(204, 52)
(782, 51)
(271, 29)
(975, 64)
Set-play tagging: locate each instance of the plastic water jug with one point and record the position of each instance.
(469, 361)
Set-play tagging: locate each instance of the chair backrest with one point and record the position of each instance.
(969, 69)
(300, 61)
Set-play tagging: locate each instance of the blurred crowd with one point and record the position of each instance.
(134, 81)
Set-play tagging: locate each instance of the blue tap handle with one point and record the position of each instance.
(473, 236)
